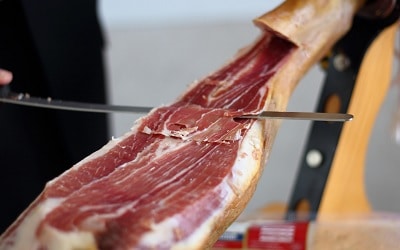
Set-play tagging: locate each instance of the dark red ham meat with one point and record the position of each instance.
(173, 178)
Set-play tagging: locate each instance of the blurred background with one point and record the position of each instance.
(155, 49)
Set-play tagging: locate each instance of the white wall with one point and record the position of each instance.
(141, 13)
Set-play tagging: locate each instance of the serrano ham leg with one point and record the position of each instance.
(185, 171)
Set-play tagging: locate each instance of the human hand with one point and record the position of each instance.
(5, 77)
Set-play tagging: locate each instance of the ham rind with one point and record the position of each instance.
(185, 171)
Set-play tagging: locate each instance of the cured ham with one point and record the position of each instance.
(185, 171)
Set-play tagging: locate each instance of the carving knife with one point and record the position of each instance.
(7, 96)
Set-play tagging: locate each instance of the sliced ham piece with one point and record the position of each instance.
(185, 171)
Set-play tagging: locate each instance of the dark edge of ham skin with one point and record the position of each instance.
(277, 51)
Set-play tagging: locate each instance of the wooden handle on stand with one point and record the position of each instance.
(345, 189)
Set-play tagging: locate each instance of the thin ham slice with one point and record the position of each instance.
(185, 171)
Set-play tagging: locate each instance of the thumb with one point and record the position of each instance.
(5, 77)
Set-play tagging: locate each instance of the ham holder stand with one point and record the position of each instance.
(317, 187)
(329, 194)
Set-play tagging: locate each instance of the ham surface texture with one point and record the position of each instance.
(168, 181)
(185, 171)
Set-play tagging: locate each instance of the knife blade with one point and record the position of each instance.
(49, 103)
(312, 116)
(7, 96)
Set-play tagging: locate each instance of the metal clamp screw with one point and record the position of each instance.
(341, 62)
(314, 158)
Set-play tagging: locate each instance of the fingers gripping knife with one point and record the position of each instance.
(312, 188)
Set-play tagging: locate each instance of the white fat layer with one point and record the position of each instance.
(247, 165)
(24, 237)
(169, 144)
(58, 240)
(248, 161)
(163, 232)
